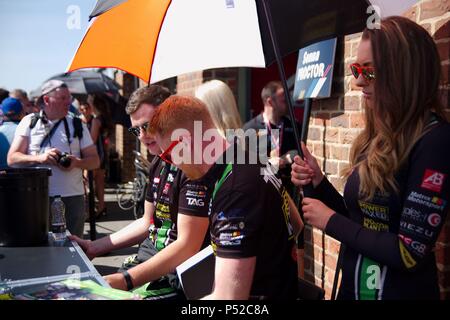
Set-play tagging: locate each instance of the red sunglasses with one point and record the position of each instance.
(367, 72)
(165, 155)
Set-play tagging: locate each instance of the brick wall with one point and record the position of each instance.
(125, 142)
(334, 124)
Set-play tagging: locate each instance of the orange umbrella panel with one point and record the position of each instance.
(123, 37)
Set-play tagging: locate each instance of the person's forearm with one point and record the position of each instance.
(17, 159)
(296, 220)
(328, 194)
(88, 163)
(164, 262)
(134, 233)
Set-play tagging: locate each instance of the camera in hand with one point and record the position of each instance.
(64, 160)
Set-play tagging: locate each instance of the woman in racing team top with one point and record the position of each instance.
(398, 183)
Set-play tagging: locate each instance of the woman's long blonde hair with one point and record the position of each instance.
(221, 105)
(407, 69)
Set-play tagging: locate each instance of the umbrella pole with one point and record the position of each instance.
(307, 190)
(306, 116)
(91, 201)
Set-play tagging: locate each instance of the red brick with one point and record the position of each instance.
(330, 104)
(352, 103)
(331, 135)
(347, 50)
(357, 120)
(341, 120)
(339, 153)
(315, 134)
(309, 251)
(355, 46)
(330, 261)
(434, 8)
(337, 183)
(308, 233)
(322, 118)
(348, 136)
(445, 70)
(331, 168)
(444, 279)
(329, 275)
(318, 150)
(332, 245)
(442, 29)
(444, 48)
(317, 234)
(427, 26)
(307, 263)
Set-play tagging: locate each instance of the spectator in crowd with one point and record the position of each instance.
(3, 94)
(250, 227)
(221, 104)
(12, 113)
(277, 127)
(397, 192)
(100, 126)
(28, 106)
(55, 139)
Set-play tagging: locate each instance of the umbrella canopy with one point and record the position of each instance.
(158, 39)
(82, 82)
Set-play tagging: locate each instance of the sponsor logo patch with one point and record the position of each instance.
(374, 211)
(414, 214)
(417, 246)
(406, 256)
(433, 180)
(434, 219)
(195, 202)
(373, 225)
(421, 231)
(430, 202)
(166, 188)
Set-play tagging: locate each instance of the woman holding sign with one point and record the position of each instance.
(397, 189)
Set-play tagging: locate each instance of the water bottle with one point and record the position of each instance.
(58, 221)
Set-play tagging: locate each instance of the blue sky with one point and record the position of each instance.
(35, 41)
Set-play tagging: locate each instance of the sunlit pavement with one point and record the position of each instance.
(115, 220)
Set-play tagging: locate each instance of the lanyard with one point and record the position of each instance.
(222, 179)
(276, 143)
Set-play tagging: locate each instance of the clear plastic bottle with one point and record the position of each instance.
(58, 221)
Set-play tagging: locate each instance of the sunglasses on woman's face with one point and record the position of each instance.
(166, 155)
(136, 131)
(367, 72)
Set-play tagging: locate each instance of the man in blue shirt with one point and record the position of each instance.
(12, 113)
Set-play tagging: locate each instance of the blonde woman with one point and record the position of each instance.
(221, 105)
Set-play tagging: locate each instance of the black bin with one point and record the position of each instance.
(24, 207)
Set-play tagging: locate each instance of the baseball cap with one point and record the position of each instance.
(11, 107)
(52, 85)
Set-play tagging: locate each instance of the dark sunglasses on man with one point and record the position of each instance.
(136, 131)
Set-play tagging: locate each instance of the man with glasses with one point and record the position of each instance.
(175, 220)
(41, 139)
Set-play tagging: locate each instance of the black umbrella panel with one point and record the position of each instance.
(82, 82)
